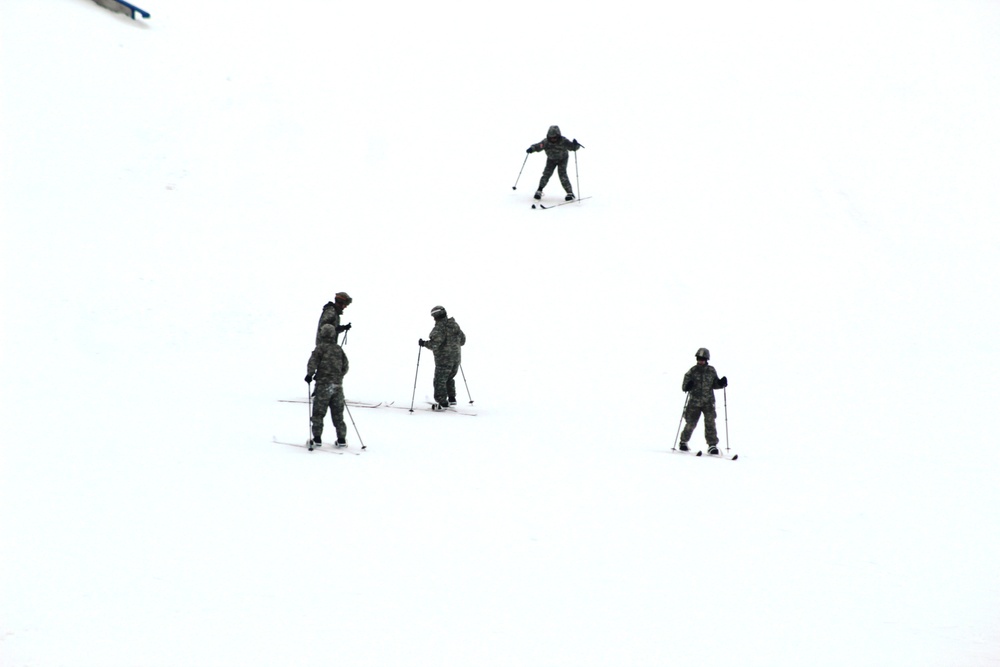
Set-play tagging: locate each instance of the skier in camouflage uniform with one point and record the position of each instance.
(557, 148)
(700, 383)
(328, 364)
(446, 341)
(332, 312)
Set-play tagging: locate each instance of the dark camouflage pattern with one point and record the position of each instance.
(691, 415)
(332, 312)
(328, 365)
(329, 396)
(556, 148)
(330, 315)
(700, 383)
(446, 341)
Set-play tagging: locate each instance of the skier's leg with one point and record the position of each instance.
(451, 381)
(691, 417)
(550, 166)
(711, 434)
(337, 412)
(564, 177)
(320, 404)
(441, 382)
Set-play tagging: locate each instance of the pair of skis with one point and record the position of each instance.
(562, 203)
(311, 447)
(353, 404)
(720, 455)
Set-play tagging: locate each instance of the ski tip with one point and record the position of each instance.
(735, 456)
(699, 453)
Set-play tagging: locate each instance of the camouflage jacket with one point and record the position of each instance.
(328, 364)
(556, 146)
(446, 339)
(700, 381)
(330, 315)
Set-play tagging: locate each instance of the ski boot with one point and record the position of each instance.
(713, 450)
(538, 194)
(570, 196)
(341, 443)
(683, 447)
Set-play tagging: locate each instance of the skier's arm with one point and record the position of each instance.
(717, 382)
(434, 340)
(314, 360)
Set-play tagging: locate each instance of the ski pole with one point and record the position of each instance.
(346, 407)
(413, 398)
(309, 403)
(725, 408)
(466, 383)
(576, 164)
(519, 173)
(687, 397)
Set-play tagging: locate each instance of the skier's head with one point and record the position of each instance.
(553, 133)
(702, 356)
(343, 300)
(439, 313)
(328, 332)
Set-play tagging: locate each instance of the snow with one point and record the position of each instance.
(807, 189)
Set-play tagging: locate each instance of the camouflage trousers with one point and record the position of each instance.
(692, 414)
(550, 166)
(445, 370)
(329, 396)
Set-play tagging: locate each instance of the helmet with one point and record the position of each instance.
(328, 331)
(702, 353)
(437, 312)
(344, 298)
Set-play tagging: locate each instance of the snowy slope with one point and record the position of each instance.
(808, 192)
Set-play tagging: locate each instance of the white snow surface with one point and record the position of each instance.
(807, 189)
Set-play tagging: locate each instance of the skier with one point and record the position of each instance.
(331, 314)
(445, 341)
(557, 148)
(700, 383)
(328, 364)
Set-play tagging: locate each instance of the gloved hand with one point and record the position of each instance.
(422, 342)
(531, 149)
(687, 386)
(309, 377)
(724, 381)
(578, 144)
(344, 327)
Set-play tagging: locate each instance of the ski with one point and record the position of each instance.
(308, 445)
(329, 448)
(562, 203)
(437, 407)
(353, 404)
(726, 457)
(690, 452)
(430, 408)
